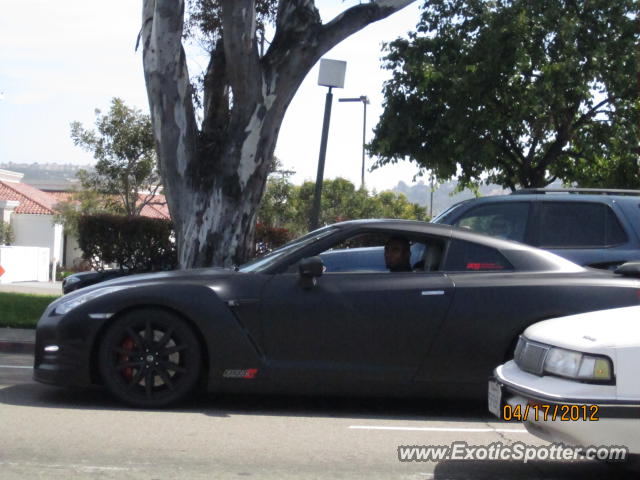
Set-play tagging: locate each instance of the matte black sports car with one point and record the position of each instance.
(318, 316)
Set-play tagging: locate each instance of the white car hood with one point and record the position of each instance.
(590, 332)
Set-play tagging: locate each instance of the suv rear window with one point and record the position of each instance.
(501, 219)
(569, 224)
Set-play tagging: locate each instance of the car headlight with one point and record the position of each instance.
(71, 280)
(68, 305)
(581, 366)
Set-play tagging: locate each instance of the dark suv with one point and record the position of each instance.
(591, 227)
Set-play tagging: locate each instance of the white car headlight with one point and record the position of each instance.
(66, 306)
(577, 365)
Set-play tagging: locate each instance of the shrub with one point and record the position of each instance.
(6, 234)
(269, 238)
(134, 243)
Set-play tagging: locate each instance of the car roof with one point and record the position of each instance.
(395, 224)
(553, 196)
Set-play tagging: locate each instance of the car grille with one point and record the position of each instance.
(530, 356)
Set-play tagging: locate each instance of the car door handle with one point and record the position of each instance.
(432, 292)
(242, 301)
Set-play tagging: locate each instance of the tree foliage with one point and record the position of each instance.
(288, 206)
(123, 146)
(516, 92)
(83, 202)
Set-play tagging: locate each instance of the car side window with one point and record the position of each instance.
(501, 219)
(465, 256)
(573, 224)
(365, 253)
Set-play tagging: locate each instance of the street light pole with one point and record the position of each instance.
(365, 101)
(331, 75)
(315, 209)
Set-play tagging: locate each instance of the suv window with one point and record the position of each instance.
(470, 257)
(505, 220)
(572, 224)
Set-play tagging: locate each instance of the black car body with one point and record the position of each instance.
(79, 280)
(281, 325)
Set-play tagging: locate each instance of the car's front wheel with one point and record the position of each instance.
(149, 358)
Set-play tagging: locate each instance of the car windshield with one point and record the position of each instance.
(261, 263)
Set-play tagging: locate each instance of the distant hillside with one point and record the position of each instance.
(46, 175)
(442, 195)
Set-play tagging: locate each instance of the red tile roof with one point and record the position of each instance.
(37, 202)
(156, 208)
(32, 201)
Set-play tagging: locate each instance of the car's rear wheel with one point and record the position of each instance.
(149, 358)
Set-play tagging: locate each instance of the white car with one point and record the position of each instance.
(575, 380)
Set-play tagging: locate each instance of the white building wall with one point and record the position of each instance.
(38, 231)
(24, 264)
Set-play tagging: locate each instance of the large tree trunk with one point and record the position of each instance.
(214, 176)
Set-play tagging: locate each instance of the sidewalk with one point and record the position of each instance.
(36, 288)
(22, 340)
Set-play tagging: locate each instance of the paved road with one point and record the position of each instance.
(54, 433)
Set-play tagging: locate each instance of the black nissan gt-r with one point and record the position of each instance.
(321, 314)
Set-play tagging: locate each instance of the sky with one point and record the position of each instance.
(59, 61)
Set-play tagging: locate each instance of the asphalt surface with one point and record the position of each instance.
(49, 432)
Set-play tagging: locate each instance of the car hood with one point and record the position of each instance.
(200, 275)
(588, 332)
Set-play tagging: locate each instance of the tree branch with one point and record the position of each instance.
(216, 92)
(518, 155)
(241, 50)
(169, 92)
(356, 18)
(585, 117)
(296, 15)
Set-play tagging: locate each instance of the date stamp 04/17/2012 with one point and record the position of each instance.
(544, 412)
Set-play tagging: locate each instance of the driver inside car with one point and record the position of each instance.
(397, 254)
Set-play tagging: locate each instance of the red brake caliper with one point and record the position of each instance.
(128, 344)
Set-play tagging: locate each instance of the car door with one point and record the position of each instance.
(352, 325)
(482, 320)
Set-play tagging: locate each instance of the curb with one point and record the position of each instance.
(16, 347)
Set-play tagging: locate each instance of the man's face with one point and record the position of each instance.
(396, 254)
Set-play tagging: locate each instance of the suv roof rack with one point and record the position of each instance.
(599, 191)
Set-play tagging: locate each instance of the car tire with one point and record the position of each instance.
(149, 358)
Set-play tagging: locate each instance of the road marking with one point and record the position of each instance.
(86, 468)
(440, 429)
(14, 366)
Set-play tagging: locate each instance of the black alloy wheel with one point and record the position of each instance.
(150, 358)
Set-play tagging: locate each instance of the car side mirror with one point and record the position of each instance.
(309, 269)
(629, 269)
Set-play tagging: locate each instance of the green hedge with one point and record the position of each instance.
(139, 244)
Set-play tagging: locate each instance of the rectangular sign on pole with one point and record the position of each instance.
(332, 73)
